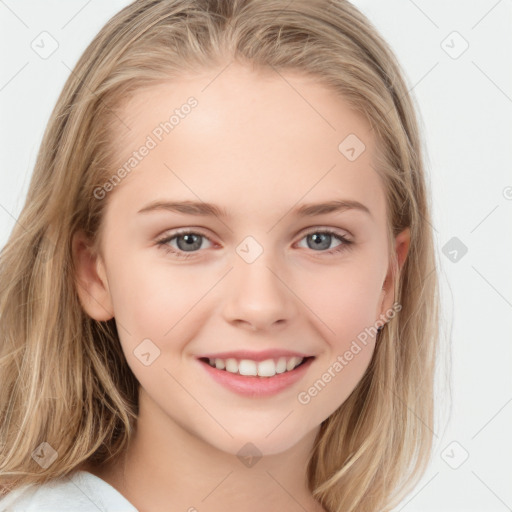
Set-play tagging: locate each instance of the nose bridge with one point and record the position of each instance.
(257, 294)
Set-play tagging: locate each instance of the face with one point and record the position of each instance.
(256, 276)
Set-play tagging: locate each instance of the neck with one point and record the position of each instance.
(177, 468)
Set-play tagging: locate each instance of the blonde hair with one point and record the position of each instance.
(64, 379)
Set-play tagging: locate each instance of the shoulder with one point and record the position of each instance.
(81, 492)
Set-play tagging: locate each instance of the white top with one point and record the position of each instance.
(80, 492)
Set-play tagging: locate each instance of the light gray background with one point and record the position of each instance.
(465, 105)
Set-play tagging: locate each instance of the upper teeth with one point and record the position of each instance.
(267, 368)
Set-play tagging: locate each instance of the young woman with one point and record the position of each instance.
(221, 292)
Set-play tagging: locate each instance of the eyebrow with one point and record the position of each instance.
(208, 209)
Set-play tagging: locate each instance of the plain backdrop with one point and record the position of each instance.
(457, 58)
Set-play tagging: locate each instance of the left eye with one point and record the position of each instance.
(322, 239)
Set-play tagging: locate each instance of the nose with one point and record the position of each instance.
(258, 297)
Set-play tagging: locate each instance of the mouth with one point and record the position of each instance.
(256, 379)
(267, 368)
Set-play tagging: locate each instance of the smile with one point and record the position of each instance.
(248, 367)
(256, 379)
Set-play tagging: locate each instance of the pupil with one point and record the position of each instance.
(321, 238)
(189, 241)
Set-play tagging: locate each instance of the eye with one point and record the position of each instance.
(186, 242)
(321, 239)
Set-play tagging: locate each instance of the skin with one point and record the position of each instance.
(259, 149)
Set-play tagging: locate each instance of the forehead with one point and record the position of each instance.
(270, 136)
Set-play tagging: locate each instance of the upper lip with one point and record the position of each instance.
(255, 356)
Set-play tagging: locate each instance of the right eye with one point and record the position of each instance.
(185, 239)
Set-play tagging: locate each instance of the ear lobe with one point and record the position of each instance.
(90, 278)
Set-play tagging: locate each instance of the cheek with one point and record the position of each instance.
(153, 303)
(345, 299)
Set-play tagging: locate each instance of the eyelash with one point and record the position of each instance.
(162, 243)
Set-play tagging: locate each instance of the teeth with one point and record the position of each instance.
(246, 367)
(231, 365)
(292, 363)
(267, 368)
(281, 365)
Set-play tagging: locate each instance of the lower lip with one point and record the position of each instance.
(255, 386)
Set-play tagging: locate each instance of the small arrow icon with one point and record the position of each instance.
(146, 352)
(44, 454)
(249, 253)
(40, 45)
(454, 249)
(452, 45)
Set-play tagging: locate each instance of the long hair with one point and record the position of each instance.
(64, 380)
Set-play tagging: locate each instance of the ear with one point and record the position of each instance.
(90, 278)
(402, 242)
